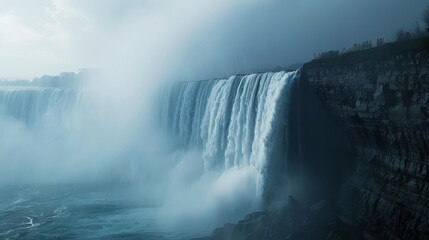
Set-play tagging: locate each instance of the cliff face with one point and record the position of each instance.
(358, 151)
(382, 97)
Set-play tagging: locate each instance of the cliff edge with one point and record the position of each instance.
(382, 97)
(358, 151)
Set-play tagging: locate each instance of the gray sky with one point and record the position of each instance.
(191, 38)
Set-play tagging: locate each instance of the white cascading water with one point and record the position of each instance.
(228, 130)
(35, 106)
(233, 120)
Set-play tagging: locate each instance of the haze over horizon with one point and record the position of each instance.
(191, 39)
(181, 125)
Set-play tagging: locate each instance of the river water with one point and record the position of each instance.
(78, 211)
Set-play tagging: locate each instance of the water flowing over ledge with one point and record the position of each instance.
(235, 120)
(226, 135)
(39, 105)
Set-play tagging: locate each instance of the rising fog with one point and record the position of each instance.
(139, 45)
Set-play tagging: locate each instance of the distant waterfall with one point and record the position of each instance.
(237, 123)
(233, 120)
(35, 106)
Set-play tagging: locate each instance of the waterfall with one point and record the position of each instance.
(234, 120)
(237, 125)
(34, 106)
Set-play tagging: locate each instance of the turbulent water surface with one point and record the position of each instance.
(76, 211)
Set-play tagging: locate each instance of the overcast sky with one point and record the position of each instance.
(194, 38)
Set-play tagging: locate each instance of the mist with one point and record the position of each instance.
(188, 38)
(108, 137)
(111, 136)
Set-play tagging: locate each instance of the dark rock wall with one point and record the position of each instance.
(381, 96)
(358, 151)
(320, 155)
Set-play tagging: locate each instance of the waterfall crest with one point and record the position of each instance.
(42, 105)
(232, 120)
